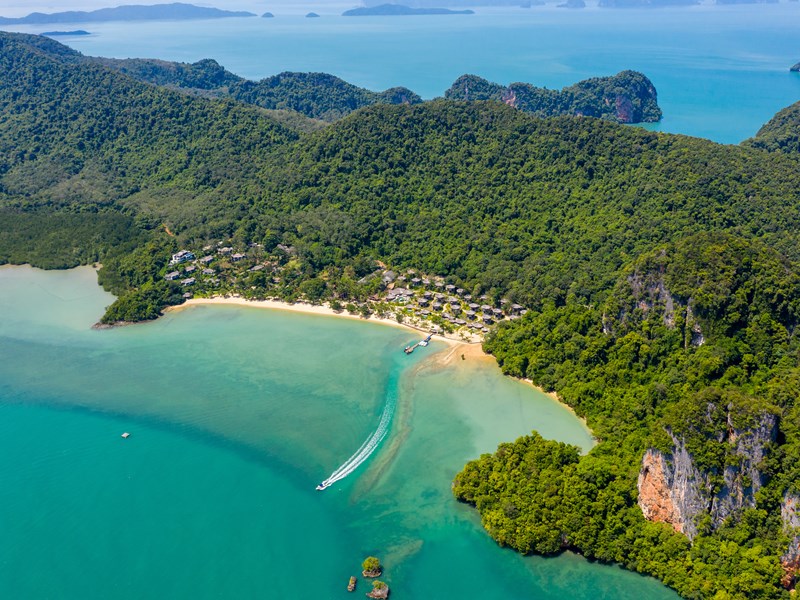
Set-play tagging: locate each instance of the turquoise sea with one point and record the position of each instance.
(720, 71)
(235, 415)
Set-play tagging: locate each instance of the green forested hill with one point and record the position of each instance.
(534, 209)
(627, 97)
(315, 95)
(660, 272)
(782, 132)
(78, 136)
(637, 367)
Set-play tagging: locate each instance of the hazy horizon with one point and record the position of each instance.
(21, 8)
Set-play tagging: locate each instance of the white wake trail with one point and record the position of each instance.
(366, 449)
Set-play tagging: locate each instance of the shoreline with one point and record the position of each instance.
(326, 311)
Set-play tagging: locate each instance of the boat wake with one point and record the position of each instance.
(363, 453)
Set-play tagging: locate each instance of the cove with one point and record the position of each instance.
(235, 415)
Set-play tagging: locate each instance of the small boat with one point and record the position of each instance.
(352, 585)
(408, 349)
(126, 435)
(423, 343)
(322, 486)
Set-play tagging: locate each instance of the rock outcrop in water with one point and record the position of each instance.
(673, 490)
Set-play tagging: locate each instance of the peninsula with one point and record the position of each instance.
(176, 11)
(399, 10)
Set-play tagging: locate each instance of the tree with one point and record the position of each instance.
(371, 564)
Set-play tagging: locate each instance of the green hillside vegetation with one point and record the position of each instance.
(627, 97)
(781, 133)
(635, 377)
(315, 95)
(579, 219)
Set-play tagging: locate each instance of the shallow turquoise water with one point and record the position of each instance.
(235, 415)
(721, 71)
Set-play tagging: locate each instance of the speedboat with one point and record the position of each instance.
(322, 486)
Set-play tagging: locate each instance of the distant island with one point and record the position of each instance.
(267, 15)
(58, 33)
(398, 10)
(645, 3)
(795, 68)
(174, 11)
(312, 15)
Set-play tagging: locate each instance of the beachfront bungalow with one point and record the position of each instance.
(208, 271)
(181, 257)
(487, 310)
(428, 294)
(416, 281)
(487, 320)
(515, 309)
(225, 251)
(255, 268)
(468, 297)
(498, 314)
(206, 259)
(172, 276)
(190, 269)
(439, 285)
(426, 282)
(188, 281)
(437, 306)
(238, 256)
(187, 295)
(470, 314)
(399, 294)
(473, 306)
(455, 308)
(450, 288)
(388, 277)
(424, 302)
(460, 291)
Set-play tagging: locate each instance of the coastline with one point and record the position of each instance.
(316, 309)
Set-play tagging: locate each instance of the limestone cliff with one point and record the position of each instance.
(673, 490)
(790, 515)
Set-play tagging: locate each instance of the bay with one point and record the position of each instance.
(235, 414)
(721, 71)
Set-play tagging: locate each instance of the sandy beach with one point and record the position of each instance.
(473, 344)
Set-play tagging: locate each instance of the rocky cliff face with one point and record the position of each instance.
(673, 490)
(790, 515)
